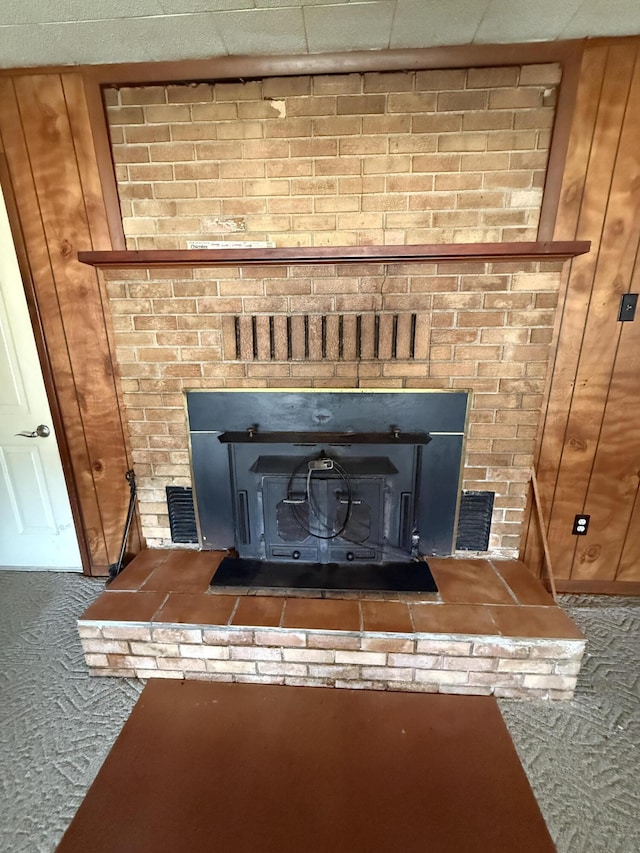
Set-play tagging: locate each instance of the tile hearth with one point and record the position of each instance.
(491, 629)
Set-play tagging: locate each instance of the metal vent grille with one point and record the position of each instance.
(474, 522)
(332, 337)
(182, 515)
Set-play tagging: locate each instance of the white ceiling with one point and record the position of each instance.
(65, 32)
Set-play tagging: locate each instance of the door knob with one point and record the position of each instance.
(41, 431)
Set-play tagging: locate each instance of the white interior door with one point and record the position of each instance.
(36, 526)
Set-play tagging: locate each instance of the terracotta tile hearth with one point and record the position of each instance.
(491, 629)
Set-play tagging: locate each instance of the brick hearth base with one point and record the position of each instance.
(492, 629)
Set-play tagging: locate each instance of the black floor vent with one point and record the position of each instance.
(474, 523)
(182, 515)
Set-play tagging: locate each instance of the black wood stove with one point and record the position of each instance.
(326, 478)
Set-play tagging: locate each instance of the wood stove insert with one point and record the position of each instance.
(327, 490)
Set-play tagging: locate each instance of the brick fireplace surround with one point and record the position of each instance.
(491, 630)
(330, 160)
(337, 160)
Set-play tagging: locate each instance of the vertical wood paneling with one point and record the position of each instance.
(610, 279)
(45, 129)
(614, 480)
(81, 137)
(589, 458)
(573, 308)
(44, 284)
(628, 567)
(93, 156)
(54, 134)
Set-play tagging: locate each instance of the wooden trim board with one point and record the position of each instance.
(285, 65)
(334, 255)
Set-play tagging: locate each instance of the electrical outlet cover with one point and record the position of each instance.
(581, 524)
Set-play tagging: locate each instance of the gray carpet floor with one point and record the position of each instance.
(57, 724)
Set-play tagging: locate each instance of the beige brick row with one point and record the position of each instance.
(505, 676)
(226, 93)
(351, 647)
(393, 680)
(231, 141)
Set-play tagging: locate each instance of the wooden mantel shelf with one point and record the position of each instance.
(540, 251)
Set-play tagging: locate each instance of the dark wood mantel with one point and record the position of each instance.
(453, 252)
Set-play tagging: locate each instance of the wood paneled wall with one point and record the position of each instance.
(52, 131)
(589, 453)
(52, 172)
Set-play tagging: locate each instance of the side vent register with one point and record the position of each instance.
(182, 515)
(474, 522)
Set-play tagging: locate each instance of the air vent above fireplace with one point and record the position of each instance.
(314, 337)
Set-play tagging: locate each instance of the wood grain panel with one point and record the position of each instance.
(89, 137)
(589, 457)
(573, 304)
(46, 129)
(570, 432)
(54, 134)
(618, 464)
(81, 134)
(600, 339)
(442, 252)
(45, 291)
(588, 108)
(65, 218)
(614, 481)
(628, 566)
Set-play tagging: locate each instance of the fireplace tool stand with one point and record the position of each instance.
(116, 568)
